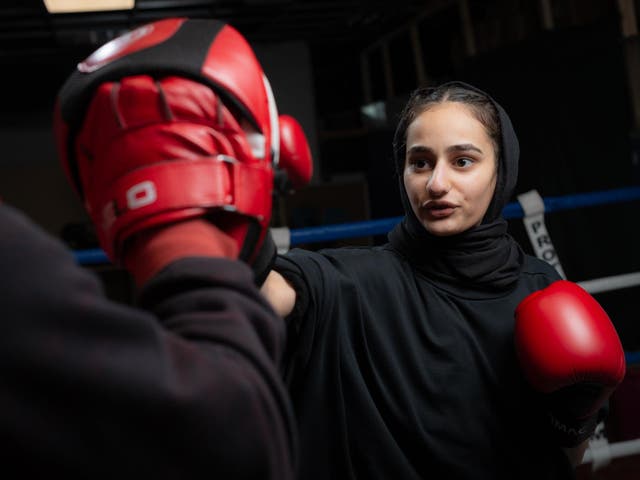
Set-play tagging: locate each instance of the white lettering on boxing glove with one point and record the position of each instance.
(141, 195)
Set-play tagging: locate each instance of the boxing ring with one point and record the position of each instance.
(531, 208)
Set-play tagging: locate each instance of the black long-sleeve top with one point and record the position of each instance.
(186, 387)
(396, 375)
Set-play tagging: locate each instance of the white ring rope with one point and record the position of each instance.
(601, 452)
(615, 282)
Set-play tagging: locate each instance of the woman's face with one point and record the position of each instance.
(450, 169)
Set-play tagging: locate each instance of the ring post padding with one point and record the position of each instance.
(533, 207)
(282, 238)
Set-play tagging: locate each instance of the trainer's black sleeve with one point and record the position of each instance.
(186, 388)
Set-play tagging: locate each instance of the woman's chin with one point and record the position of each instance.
(442, 228)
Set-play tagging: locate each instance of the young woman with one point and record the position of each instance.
(401, 359)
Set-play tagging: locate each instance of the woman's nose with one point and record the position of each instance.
(438, 183)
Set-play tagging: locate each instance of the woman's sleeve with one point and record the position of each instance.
(185, 386)
(316, 283)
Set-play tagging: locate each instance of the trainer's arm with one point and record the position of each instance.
(280, 294)
(92, 387)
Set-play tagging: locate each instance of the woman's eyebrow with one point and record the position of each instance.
(419, 149)
(465, 147)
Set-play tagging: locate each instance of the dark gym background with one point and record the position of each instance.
(567, 71)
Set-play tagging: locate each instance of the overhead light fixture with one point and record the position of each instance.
(76, 6)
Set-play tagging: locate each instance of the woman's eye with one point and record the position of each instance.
(420, 163)
(463, 162)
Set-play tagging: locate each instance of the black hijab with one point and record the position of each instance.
(484, 257)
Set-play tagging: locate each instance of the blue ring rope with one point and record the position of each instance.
(510, 211)
(382, 226)
(632, 358)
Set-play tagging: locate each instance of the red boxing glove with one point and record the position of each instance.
(569, 351)
(295, 165)
(293, 170)
(170, 122)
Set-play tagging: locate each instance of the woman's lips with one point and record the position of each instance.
(438, 210)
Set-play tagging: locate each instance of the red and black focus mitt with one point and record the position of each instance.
(171, 122)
